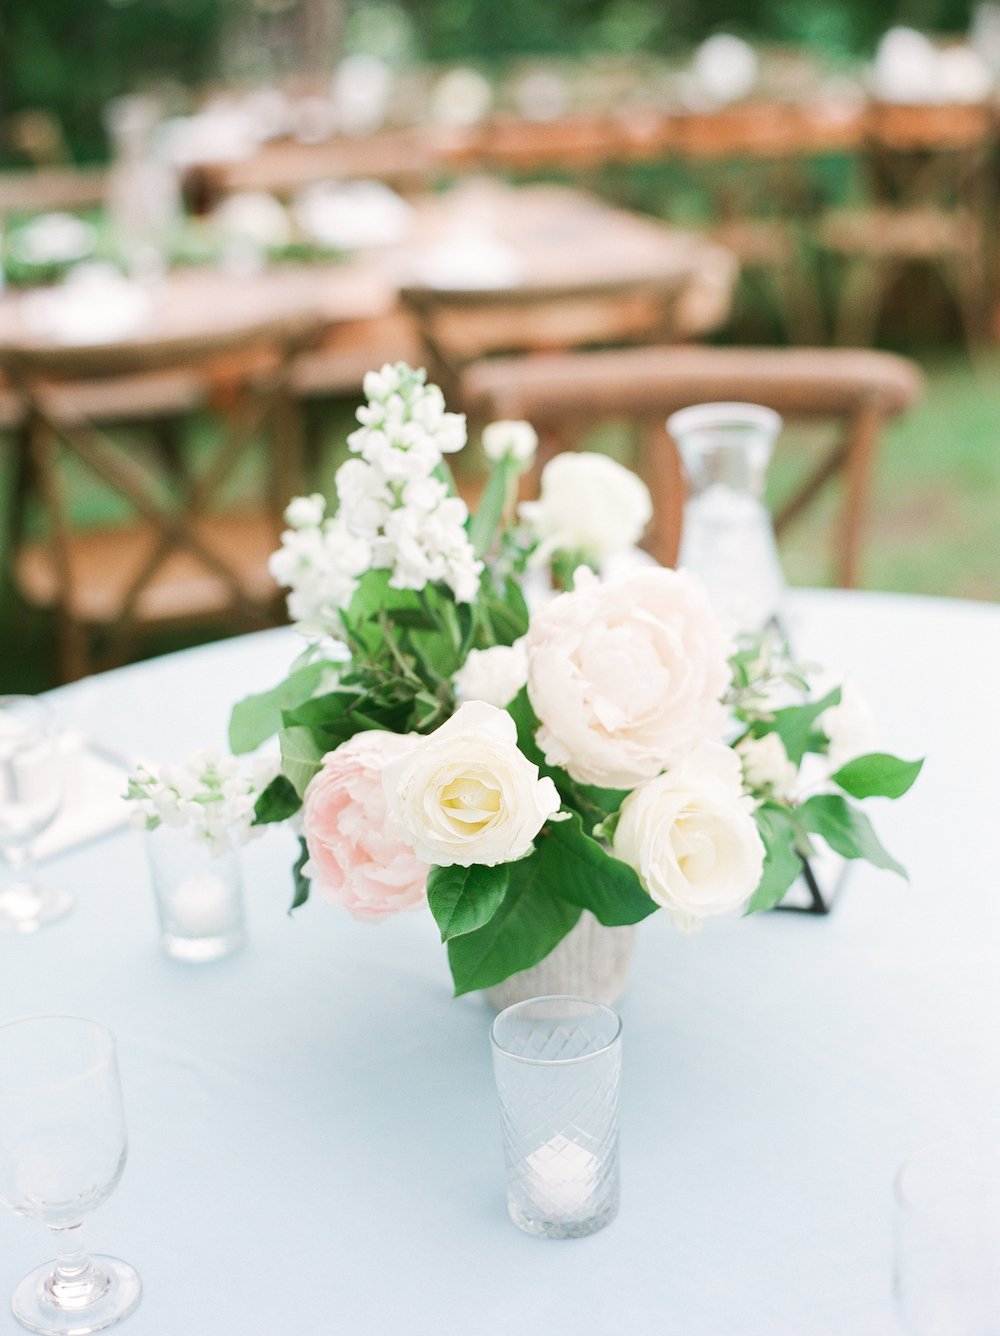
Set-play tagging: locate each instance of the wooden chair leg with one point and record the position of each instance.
(859, 305)
(864, 432)
(661, 468)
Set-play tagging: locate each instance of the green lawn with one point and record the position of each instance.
(935, 515)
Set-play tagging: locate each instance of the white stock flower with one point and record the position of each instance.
(466, 794)
(589, 504)
(626, 675)
(766, 765)
(850, 727)
(205, 791)
(691, 837)
(494, 675)
(510, 440)
(305, 512)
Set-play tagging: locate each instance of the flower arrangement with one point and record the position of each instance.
(611, 751)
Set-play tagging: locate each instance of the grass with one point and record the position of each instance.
(935, 514)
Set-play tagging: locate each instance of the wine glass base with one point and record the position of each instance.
(35, 1308)
(25, 908)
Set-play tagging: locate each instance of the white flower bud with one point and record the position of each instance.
(511, 440)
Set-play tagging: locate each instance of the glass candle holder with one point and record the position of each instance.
(727, 537)
(199, 896)
(947, 1264)
(557, 1062)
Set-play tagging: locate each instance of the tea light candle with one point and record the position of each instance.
(562, 1176)
(202, 905)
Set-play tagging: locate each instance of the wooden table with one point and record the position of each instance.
(564, 236)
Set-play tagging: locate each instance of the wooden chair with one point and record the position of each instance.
(928, 170)
(458, 326)
(180, 562)
(565, 395)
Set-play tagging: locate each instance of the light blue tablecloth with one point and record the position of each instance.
(315, 1145)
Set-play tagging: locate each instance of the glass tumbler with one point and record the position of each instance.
(947, 1226)
(557, 1062)
(30, 797)
(727, 537)
(62, 1152)
(199, 896)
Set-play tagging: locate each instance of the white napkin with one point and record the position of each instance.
(353, 215)
(93, 782)
(94, 304)
(470, 257)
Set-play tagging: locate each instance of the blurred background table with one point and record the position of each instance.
(315, 1140)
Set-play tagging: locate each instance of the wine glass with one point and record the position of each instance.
(62, 1152)
(947, 1271)
(30, 794)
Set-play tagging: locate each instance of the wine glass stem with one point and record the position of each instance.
(76, 1281)
(22, 863)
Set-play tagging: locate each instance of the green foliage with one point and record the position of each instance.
(300, 757)
(794, 725)
(579, 870)
(783, 862)
(846, 830)
(877, 775)
(257, 718)
(278, 802)
(531, 921)
(301, 882)
(463, 899)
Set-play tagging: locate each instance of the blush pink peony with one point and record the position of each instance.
(358, 856)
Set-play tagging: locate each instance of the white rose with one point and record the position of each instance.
(511, 440)
(494, 675)
(766, 764)
(626, 676)
(691, 837)
(466, 794)
(305, 512)
(849, 726)
(589, 504)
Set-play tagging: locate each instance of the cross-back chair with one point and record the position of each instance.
(181, 562)
(564, 396)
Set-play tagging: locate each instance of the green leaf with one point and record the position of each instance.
(580, 871)
(783, 863)
(300, 757)
(530, 922)
(485, 522)
(462, 899)
(877, 775)
(257, 718)
(794, 724)
(301, 883)
(277, 802)
(846, 830)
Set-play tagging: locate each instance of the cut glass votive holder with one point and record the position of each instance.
(557, 1062)
(199, 896)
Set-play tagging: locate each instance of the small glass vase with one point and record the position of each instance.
(590, 961)
(199, 896)
(727, 537)
(557, 1062)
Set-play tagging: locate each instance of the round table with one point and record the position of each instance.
(314, 1126)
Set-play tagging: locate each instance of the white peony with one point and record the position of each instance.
(590, 505)
(850, 727)
(766, 764)
(494, 675)
(511, 440)
(626, 676)
(691, 837)
(466, 794)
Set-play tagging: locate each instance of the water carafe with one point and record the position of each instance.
(727, 538)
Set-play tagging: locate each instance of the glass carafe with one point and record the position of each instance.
(728, 538)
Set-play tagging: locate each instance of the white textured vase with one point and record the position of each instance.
(590, 961)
